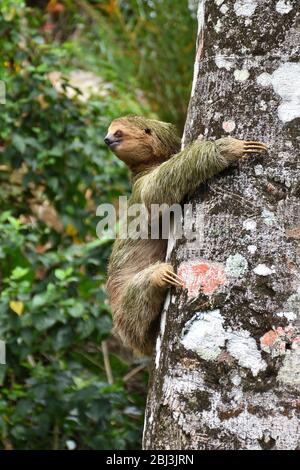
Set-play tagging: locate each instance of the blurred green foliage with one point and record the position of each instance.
(144, 43)
(54, 172)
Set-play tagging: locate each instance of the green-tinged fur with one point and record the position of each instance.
(135, 298)
(181, 174)
(141, 300)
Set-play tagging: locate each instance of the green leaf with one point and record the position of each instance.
(63, 274)
(43, 323)
(77, 311)
(39, 300)
(19, 272)
(19, 143)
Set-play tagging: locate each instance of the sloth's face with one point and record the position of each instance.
(129, 143)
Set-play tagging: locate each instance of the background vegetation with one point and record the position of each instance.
(67, 383)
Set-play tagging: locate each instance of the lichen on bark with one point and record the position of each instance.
(240, 389)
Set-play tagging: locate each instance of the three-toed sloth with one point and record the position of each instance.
(138, 275)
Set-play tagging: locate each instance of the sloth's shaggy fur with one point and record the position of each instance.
(161, 174)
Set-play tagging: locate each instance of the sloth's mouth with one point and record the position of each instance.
(114, 143)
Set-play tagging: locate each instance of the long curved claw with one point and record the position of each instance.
(255, 142)
(254, 147)
(246, 152)
(171, 278)
(172, 282)
(171, 273)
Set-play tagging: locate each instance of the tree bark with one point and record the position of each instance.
(227, 369)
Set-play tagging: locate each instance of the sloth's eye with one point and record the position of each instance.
(148, 131)
(118, 134)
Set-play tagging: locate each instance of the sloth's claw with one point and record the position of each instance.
(254, 147)
(164, 276)
(171, 278)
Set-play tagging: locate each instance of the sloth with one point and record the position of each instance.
(138, 275)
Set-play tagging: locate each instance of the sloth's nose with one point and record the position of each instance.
(107, 141)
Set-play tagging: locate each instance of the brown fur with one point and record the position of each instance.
(137, 271)
(140, 150)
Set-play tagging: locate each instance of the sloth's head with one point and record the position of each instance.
(142, 143)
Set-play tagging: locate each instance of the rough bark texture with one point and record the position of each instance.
(227, 366)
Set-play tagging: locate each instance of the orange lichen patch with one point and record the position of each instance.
(268, 338)
(276, 341)
(205, 277)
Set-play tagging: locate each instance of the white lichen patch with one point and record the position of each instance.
(206, 336)
(249, 224)
(263, 105)
(258, 170)
(219, 2)
(224, 9)
(235, 379)
(264, 79)
(224, 62)
(241, 75)
(290, 370)
(183, 383)
(293, 302)
(218, 26)
(243, 348)
(228, 126)
(236, 266)
(290, 316)
(283, 7)
(237, 395)
(263, 270)
(245, 7)
(286, 83)
(268, 217)
(252, 249)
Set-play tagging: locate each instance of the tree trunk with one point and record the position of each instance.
(227, 366)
